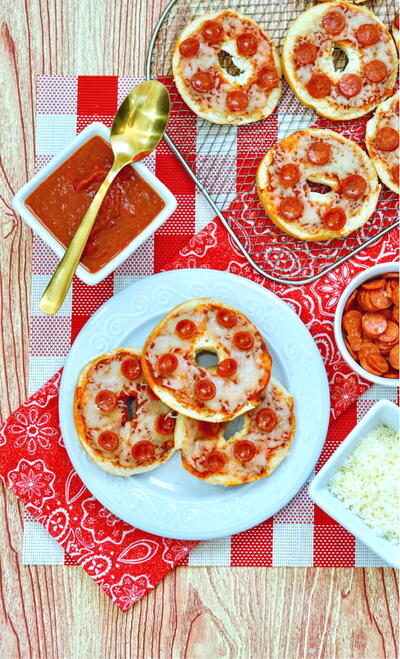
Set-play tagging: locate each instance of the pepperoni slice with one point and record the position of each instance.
(372, 284)
(237, 100)
(393, 375)
(367, 34)
(375, 70)
(289, 174)
(351, 351)
(202, 82)
(215, 461)
(391, 333)
(387, 139)
(333, 22)
(247, 43)
(319, 153)
(319, 85)
(350, 301)
(268, 77)
(189, 47)
(395, 174)
(108, 440)
(350, 85)
(165, 424)
(396, 21)
(185, 328)
(374, 324)
(205, 389)
(266, 419)
(305, 53)
(353, 186)
(167, 363)
(208, 429)
(394, 357)
(379, 298)
(243, 340)
(391, 275)
(227, 367)
(395, 314)
(143, 451)
(392, 289)
(106, 400)
(131, 368)
(334, 219)
(291, 208)
(226, 318)
(212, 32)
(364, 301)
(375, 363)
(351, 322)
(244, 451)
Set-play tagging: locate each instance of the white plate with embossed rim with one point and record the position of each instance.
(169, 501)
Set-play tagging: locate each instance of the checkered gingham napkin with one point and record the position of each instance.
(126, 562)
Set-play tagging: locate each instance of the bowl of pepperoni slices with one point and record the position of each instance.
(367, 324)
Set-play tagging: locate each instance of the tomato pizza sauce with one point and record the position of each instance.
(61, 201)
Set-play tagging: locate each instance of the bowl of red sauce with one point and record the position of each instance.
(55, 200)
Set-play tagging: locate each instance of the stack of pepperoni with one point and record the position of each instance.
(371, 325)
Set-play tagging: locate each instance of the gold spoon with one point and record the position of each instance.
(138, 127)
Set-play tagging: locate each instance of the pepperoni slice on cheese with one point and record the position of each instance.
(243, 340)
(305, 53)
(387, 139)
(289, 174)
(143, 451)
(227, 367)
(108, 440)
(244, 451)
(237, 100)
(375, 70)
(212, 32)
(334, 219)
(247, 43)
(167, 363)
(395, 174)
(367, 34)
(202, 82)
(215, 461)
(266, 419)
(205, 389)
(189, 47)
(165, 424)
(185, 328)
(350, 85)
(396, 21)
(319, 153)
(106, 400)
(333, 22)
(268, 77)
(226, 318)
(209, 429)
(353, 186)
(319, 85)
(291, 208)
(131, 368)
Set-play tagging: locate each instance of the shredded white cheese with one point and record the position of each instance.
(368, 483)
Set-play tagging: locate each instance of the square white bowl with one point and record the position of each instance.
(382, 412)
(18, 203)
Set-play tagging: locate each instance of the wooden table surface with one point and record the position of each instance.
(195, 612)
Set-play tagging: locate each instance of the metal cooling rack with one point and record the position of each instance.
(209, 151)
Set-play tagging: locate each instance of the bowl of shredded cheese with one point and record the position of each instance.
(359, 486)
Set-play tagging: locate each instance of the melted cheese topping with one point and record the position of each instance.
(387, 116)
(107, 375)
(196, 448)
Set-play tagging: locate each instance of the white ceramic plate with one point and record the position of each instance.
(169, 501)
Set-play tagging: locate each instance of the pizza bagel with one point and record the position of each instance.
(308, 60)
(382, 140)
(251, 453)
(234, 385)
(395, 30)
(317, 156)
(227, 69)
(121, 443)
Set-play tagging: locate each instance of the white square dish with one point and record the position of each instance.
(383, 412)
(19, 206)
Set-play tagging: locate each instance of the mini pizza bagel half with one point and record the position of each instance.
(217, 393)
(118, 444)
(318, 156)
(382, 140)
(308, 65)
(249, 91)
(251, 453)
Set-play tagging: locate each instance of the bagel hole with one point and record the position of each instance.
(131, 407)
(207, 358)
(226, 63)
(318, 187)
(234, 426)
(340, 59)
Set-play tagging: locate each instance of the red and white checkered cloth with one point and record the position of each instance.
(126, 562)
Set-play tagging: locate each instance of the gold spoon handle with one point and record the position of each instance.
(58, 286)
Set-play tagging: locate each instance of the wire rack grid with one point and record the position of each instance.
(223, 160)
